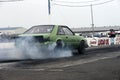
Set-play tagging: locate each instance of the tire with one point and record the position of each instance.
(81, 49)
(59, 45)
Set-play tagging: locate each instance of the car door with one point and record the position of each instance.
(66, 35)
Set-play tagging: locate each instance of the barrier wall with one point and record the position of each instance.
(117, 40)
(98, 41)
(95, 41)
(102, 41)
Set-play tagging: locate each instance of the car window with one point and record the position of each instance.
(67, 31)
(60, 31)
(39, 29)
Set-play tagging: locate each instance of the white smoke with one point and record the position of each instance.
(27, 48)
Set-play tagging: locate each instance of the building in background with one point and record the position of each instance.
(12, 30)
(7, 34)
(98, 31)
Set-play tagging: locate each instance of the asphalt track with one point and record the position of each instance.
(98, 63)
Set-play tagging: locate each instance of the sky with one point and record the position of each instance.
(28, 13)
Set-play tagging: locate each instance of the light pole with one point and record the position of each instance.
(49, 7)
(92, 19)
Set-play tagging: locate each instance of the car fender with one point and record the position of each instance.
(86, 44)
(58, 39)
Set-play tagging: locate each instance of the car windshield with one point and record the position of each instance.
(39, 29)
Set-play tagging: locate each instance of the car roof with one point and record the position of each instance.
(48, 25)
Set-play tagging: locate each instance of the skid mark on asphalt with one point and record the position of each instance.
(49, 70)
(57, 66)
(4, 65)
(84, 61)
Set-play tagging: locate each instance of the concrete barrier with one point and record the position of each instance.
(117, 40)
(103, 41)
(95, 41)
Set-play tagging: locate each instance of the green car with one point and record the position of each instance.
(62, 36)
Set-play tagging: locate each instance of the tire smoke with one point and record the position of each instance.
(28, 48)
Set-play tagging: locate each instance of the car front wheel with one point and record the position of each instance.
(81, 48)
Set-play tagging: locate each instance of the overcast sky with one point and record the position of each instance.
(35, 12)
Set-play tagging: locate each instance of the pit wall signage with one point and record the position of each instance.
(103, 41)
(117, 40)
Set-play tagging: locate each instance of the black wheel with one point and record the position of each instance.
(59, 45)
(81, 49)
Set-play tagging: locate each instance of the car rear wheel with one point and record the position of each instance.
(81, 49)
(59, 45)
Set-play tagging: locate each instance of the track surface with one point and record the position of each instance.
(102, 63)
